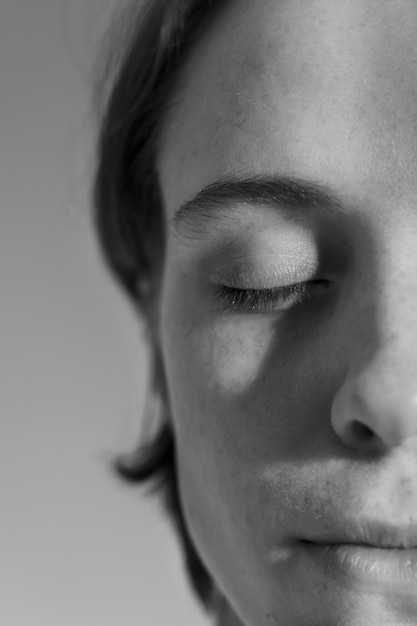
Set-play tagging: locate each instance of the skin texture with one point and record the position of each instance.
(292, 422)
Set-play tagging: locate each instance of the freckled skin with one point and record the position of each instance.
(263, 406)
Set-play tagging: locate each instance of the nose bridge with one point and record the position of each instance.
(377, 404)
(386, 290)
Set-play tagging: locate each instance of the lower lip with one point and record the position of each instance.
(367, 567)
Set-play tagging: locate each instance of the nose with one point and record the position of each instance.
(375, 408)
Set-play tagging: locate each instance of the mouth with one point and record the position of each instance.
(370, 533)
(369, 556)
(365, 567)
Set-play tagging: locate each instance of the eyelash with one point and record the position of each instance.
(268, 300)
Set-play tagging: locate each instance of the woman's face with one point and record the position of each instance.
(295, 410)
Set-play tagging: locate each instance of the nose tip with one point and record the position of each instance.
(372, 415)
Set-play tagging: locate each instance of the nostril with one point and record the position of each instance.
(361, 432)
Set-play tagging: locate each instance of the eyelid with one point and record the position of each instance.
(251, 301)
(289, 272)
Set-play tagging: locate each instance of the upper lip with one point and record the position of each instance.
(375, 533)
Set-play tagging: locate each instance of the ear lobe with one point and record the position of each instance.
(146, 303)
(143, 286)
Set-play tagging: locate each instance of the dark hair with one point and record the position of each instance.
(132, 91)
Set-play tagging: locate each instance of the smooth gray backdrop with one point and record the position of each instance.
(76, 547)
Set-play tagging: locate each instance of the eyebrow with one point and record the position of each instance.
(279, 191)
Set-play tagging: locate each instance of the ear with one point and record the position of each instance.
(146, 304)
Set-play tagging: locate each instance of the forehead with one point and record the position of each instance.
(320, 89)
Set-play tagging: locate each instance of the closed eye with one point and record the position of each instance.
(269, 300)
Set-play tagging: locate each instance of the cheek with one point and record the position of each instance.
(249, 412)
(241, 387)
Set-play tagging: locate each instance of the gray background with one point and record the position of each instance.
(76, 547)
